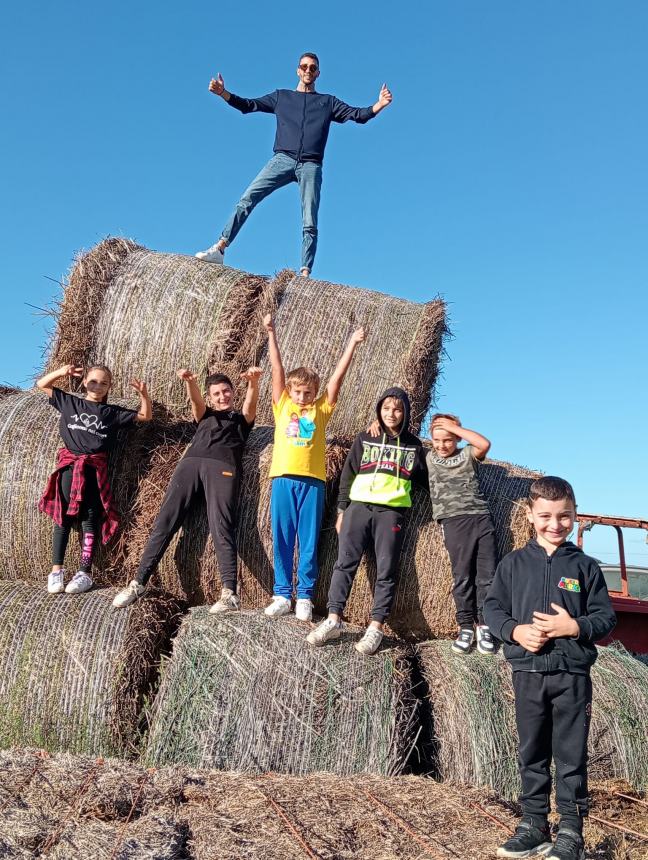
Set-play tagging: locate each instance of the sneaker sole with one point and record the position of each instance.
(486, 653)
(461, 650)
(540, 851)
(323, 642)
(56, 590)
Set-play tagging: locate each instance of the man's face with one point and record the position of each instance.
(302, 395)
(444, 443)
(553, 521)
(307, 71)
(220, 396)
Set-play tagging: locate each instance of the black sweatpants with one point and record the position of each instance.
(90, 515)
(220, 483)
(470, 541)
(553, 713)
(361, 524)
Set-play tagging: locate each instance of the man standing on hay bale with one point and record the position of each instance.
(304, 117)
(549, 604)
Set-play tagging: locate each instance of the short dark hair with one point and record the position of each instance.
(551, 488)
(311, 55)
(217, 379)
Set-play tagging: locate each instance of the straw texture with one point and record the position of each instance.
(243, 692)
(74, 671)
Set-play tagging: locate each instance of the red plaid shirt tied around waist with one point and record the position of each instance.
(52, 504)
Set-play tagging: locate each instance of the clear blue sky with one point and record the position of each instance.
(509, 175)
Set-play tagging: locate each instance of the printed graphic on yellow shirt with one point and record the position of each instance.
(301, 427)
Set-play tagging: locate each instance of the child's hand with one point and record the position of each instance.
(186, 375)
(139, 386)
(445, 424)
(374, 429)
(553, 626)
(338, 521)
(252, 374)
(268, 322)
(358, 335)
(529, 637)
(71, 370)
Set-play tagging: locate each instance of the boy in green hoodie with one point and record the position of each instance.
(375, 492)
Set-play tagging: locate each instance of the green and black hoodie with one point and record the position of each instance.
(380, 470)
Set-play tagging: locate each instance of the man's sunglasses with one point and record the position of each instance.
(308, 67)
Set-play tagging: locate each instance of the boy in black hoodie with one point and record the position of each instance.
(548, 603)
(375, 492)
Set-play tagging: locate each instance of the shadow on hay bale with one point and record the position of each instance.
(145, 314)
(75, 672)
(243, 692)
(473, 714)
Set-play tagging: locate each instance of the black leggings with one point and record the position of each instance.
(90, 516)
(220, 484)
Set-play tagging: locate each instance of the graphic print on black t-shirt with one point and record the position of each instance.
(87, 427)
(220, 435)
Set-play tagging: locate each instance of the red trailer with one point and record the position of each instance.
(627, 585)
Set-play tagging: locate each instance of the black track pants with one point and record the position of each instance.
(220, 485)
(553, 712)
(470, 541)
(362, 524)
(90, 515)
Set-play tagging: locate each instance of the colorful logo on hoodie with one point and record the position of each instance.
(569, 584)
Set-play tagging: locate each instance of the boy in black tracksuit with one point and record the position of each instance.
(375, 492)
(548, 603)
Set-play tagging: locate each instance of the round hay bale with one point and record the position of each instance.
(246, 693)
(403, 346)
(6, 390)
(423, 605)
(29, 440)
(74, 672)
(473, 718)
(145, 314)
(151, 837)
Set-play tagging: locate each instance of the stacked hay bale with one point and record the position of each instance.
(247, 693)
(473, 718)
(74, 672)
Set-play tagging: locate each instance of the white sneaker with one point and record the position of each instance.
(128, 595)
(464, 641)
(370, 642)
(303, 609)
(55, 581)
(212, 255)
(79, 583)
(485, 641)
(228, 602)
(324, 632)
(278, 607)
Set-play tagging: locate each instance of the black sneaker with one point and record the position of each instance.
(464, 641)
(485, 641)
(568, 846)
(527, 841)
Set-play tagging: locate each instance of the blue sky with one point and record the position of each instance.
(509, 176)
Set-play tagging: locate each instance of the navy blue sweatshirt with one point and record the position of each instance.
(528, 580)
(303, 119)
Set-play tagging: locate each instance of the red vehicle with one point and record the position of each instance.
(627, 585)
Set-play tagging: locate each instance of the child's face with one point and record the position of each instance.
(302, 395)
(220, 396)
(553, 521)
(392, 414)
(97, 385)
(444, 443)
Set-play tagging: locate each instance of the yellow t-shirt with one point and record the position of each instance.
(300, 438)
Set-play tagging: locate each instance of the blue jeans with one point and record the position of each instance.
(296, 507)
(279, 171)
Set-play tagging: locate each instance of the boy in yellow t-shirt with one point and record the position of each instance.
(298, 471)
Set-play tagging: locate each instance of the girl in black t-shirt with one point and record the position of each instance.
(79, 485)
(212, 462)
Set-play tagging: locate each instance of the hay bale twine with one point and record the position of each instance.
(403, 346)
(146, 314)
(423, 605)
(473, 718)
(243, 692)
(29, 440)
(73, 671)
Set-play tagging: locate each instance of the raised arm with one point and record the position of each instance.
(278, 373)
(480, 443)
(252, 375)
(264, 104)
(198, 407)
(145, 412)
(44, 384)
(335, 382)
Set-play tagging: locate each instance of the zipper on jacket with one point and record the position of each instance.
(547, 581)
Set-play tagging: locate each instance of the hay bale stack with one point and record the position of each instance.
(243, 692)
(145, 314)
(423, 606)
(473, 718)
(74, 672)
(29, 440)
(403, 347)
